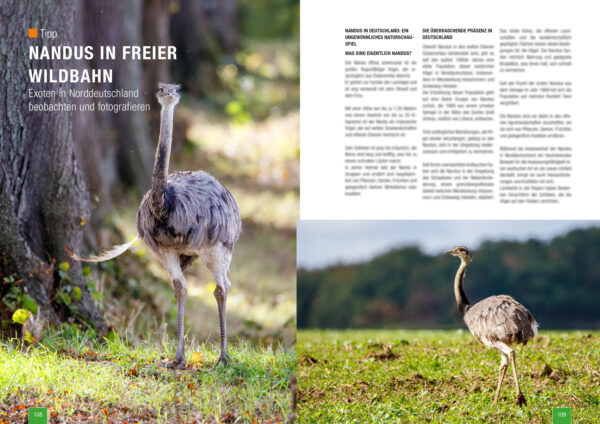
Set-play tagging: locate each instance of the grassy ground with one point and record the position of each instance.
(443, 377)
(80, 380)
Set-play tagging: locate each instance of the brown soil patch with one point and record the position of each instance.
(546, 370)
(384, 355)
(312, 393)
(307, 360)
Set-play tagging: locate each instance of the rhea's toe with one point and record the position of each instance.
(521, 400)
(176, 364)
(224, 359)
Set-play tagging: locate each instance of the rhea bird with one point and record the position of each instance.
(185, 216)
(498, 322)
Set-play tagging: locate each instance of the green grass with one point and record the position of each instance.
(79, 379)
(408, 376)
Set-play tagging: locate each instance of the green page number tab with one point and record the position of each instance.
(561, 415)
(38, 416)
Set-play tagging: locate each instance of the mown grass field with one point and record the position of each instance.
(404, 376)
(81, 380)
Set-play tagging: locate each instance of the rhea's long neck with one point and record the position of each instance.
(161, 160)
(461, 299)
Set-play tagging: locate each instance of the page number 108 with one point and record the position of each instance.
(38, 416)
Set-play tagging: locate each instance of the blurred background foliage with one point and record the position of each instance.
(268, 19)
(238, 64)
(242, 127)
(557, 280)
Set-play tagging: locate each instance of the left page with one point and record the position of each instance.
(148, 202)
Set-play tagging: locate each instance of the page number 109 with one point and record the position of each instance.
(561, 415)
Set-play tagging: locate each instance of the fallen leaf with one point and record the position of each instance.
(197, 358)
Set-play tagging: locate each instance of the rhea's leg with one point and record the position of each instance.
(180, 293)
(520, 398)
(172, 265)
(502, 372)
(221, 296)
(218, 260)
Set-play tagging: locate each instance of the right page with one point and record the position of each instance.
(449, 239)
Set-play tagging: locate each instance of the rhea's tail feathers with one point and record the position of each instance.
(534, 327)
(113, 252)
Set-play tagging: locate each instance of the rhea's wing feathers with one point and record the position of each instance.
(501, 318)
(202, 209)
(107, 254)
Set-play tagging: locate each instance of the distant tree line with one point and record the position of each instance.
(557, 280)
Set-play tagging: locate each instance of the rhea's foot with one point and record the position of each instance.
(178, 363)
(224, 359)
(521, 399)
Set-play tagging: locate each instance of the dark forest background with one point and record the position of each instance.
(557, 280)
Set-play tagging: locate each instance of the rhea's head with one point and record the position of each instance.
(462, 252)
(168, 94)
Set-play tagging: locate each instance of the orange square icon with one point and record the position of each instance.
(32, 32)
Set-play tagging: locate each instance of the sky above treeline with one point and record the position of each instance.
(323, 243)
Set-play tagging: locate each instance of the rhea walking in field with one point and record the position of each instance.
(184, 216)
(497, 322)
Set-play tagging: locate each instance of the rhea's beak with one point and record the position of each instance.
(449, 252)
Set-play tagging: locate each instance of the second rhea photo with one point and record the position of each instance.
(460, 320)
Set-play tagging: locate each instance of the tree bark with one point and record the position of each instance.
(202, 30)
(43, 199)
(114, 147)
(155, 32)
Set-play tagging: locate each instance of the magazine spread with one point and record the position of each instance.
(281, 211)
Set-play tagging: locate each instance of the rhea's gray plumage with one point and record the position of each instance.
(197, 212)
(184, 216)
(500, 318)
(497, 322)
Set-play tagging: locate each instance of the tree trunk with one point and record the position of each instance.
(114, 146)
(43, 199)
(202, 30)
(155, 31)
